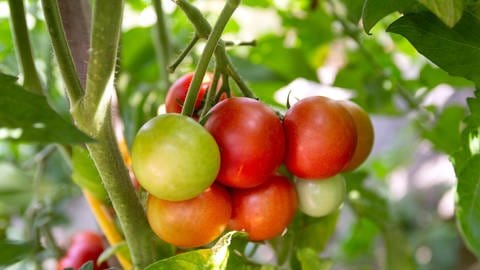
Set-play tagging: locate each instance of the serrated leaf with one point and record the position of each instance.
(214, 258)
(448, 11)
(375, 10)
(27, 117)
(86, 175)
(14, 251)
(309, 260)
(456, 50)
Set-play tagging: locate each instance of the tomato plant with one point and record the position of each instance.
(264, 211)
(191, 223)
(251, 141)
(174, 157)
(365, 134)
(318, 198)
(320, 137)
(85, 246)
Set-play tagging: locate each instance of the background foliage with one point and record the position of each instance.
(413, 65)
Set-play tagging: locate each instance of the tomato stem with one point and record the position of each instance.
(212, 42)
(31, 80)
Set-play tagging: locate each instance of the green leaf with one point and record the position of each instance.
(375, 10)
(28, 117)
(14, 251)
(445, 134)
(15, 189)
(86, 175)
(449, 11)
(316, 232)
(87, 266)
(456, 50)
(215, 258)
(309, 260)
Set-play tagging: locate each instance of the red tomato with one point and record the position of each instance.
(191, 223)
(178, 92)
(365, 134)
(321, 138)
(251, 141)
(264, 211)
(85, 246)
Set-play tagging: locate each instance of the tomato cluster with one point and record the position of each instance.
(85, 246)
(204, 179)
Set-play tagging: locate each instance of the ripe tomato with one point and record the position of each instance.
(191, 223)
(365, 134)
(85, 246)
(174, 157)
(320, 136)
(264, 211)
(320, 198)
(178, 92)
(251, 141)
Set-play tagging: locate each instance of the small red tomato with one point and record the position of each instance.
(85, 246)
(264, 211)
(321, 138)
(251, 141)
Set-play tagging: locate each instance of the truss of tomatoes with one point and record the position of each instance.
(203, 180)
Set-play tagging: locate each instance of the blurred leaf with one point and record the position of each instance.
(86, 175)
(27, 117)
(445, 134)
(466, 163)
(15, 189)
(360, 241)
(436, 41)
(431, 76)
(87, 266)
(316, 232)
(354, 9)
(375, 10)
(449, 11)
(215, 258)
(14, 251)
(309, 260)
(258, 3)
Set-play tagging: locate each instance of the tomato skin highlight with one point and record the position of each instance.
(322, 197)
(320, 138)
(264, 211)
(365, 134)
(191, 223)
(251, 141)
(174, 157)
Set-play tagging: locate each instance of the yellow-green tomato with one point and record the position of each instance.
(320, 197)
(174, 157)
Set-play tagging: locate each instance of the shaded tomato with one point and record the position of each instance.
(191, 223)
(264, 211)
(174, 157)
(320, 198)
(85, 246)
(177, 92)
(320, 138)
(365, 135)
(251, 141)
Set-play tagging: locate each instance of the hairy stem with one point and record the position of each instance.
(31, 80)
(208, 51)
(62, 51)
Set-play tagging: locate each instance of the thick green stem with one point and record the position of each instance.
(93, 115)
(162, 43)
(31, 80)
(212, 42)
(62, 51)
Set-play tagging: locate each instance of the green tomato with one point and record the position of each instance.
(174, 158)
(320, 197)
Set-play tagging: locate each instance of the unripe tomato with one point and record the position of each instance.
(264, 211)
(191, 223)
(178, 92)
(174, 157)
(251, 141)
(322, 197)
(321, 138)
(85, 246)
(365, 134)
